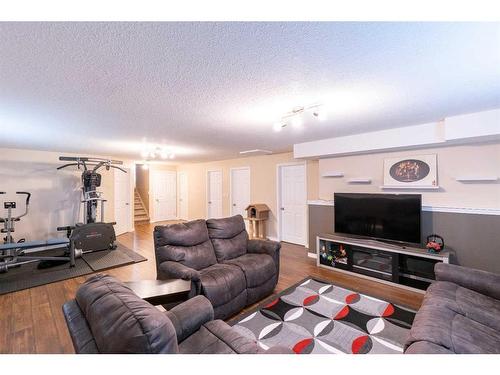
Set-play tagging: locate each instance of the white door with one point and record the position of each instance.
(293, 203)
(183, 196)
(122, 201)
(240, 190)
(214, 194)
(164, 195)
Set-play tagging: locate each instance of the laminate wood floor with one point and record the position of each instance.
(31, 321)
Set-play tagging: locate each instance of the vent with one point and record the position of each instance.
(257, 151)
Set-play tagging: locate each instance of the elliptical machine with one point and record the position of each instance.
(91, 235)
(14, 254)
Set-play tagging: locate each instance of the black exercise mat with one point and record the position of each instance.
(29, 276)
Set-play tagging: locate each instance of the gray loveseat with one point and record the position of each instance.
(460, 313)
(222, 263)
(107, 317)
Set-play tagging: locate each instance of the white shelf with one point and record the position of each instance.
(413, 187)
(477, 179)
(333, 174)
(366, 180)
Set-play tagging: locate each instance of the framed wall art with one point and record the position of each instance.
(412, 172)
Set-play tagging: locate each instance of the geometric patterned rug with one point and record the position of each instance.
(317, 317)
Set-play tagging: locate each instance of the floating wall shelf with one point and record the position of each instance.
(412, 187)
(333, 174)
(477, 179)
(367, 180)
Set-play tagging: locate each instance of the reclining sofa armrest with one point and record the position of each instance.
(177, 270)
(483, 282)
(268, 247)
(279, 350)
(79, 330)
(189, 316)
(263, 247)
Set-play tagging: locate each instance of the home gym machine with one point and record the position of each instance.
(15, 254)
(91, 235)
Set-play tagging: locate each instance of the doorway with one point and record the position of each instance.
(122, 201)
(239, 190)
(163, 188)
(214, 194)
(292, 203)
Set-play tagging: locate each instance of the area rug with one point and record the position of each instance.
(316, 317)
(29, 276)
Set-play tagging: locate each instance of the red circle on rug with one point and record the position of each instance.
(342, 313)
(352, 298)
(310, 300)
(358, 344)
(389, 310)
(302, 345)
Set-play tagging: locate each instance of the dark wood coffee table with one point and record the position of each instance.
(161, 292)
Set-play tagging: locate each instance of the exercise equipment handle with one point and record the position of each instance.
(2, 192)
(28, 196)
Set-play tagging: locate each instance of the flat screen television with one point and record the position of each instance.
(393, 217)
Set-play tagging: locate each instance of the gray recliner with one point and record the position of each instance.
(460, 313)
(222, 263)
(108, 317)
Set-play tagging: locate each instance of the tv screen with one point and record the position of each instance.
(394, 217)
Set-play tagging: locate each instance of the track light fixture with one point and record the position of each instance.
(149, 152)
(295, 117)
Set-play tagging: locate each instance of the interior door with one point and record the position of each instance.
(214, 194)
(293, 203)
(164, 193)
(122, 201)
(240, 190)
(183, 196)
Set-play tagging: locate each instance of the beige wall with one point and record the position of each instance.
(262, 186)
(477, 160)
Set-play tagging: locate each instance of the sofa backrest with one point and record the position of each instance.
(121, 322)
(187, 243)
(229, 237)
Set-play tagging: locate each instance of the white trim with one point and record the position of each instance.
(412, 187)
(278, 199)
(312, 255)
(178, 195)
(231, 186)
(207, 187)
(454, 210)
(275, 239)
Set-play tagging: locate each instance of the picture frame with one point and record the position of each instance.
(411, 172)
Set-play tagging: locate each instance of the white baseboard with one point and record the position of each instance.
(273, 239)
(312, 255)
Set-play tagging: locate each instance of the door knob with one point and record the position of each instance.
(282, 208)
(126, 204)
(209, 202)
(234, 204)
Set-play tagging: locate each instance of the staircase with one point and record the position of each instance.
(140, 211)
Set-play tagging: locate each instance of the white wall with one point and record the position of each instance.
(55, 194)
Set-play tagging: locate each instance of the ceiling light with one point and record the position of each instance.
(164, 154)
(296, 116)
(171, 156)
(320, 114)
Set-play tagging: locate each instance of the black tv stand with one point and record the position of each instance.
(395, 263)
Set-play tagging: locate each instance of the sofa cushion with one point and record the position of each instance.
(471, 304)
(442, 326)
(229, 237)
(187, 243)
(221, 283)
(258, 268)
(121, 322)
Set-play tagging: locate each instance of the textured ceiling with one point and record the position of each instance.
(212, 89)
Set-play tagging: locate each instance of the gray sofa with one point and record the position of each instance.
(107, 317)
(222, 263)
(460, 313)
